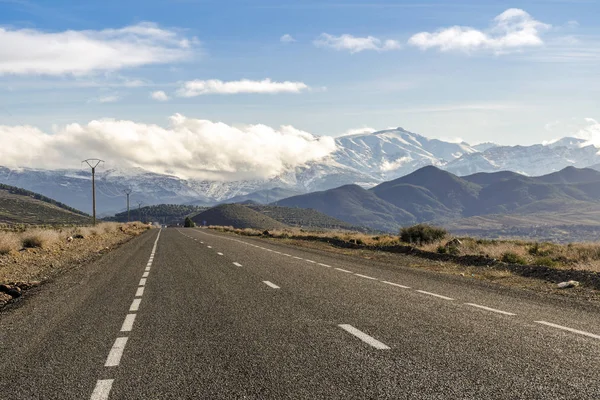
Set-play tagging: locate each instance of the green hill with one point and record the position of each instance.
(20, 206)
(238, 216)
(161, 213)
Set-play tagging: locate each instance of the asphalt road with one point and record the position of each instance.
(194, 314)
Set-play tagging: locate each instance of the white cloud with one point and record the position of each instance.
(356, 44)
(159, 95)
(358, 131)
(108, 98)
(287, 38)
(590, 131)
(33, 52)
(215, 86)
(512, 30)
(191, 148)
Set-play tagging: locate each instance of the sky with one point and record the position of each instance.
(195, 76)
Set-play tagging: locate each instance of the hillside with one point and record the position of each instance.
(19, 206)
(264, 196)
(301, 217)
(238, 216)
(161, 213)
(432, 195)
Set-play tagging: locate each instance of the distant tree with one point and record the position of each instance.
(189, 223)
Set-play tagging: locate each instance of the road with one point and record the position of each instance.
(194, 314)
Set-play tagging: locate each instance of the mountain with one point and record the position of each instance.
(301, 217)
(238, 216)
(355, 205)
(433, 195)
(161, 213)
(20, 206)
(366, 160)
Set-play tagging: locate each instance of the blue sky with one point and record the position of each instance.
(351, 64)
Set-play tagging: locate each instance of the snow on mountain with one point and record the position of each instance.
(366, 159)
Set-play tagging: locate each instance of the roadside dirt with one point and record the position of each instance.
(30, 267)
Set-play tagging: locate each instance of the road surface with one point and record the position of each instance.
(194, 314)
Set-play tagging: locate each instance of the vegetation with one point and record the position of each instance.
(189, 223)
(20, 206)
(581, 256)
(162, 213)
(301, 217)
(238, 216)
(422, 234)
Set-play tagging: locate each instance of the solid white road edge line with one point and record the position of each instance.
(435, 295)
(102, 389)
(366, 276)
(142, 282)
(271, 285)
(344, 270)
(237, 264)
(114, 357)
(135, 305)
(324, 265)
(139, 292)
(584, 333)
(128, 323)
(145, 274)
(147, 269)
(490, 309)
(364, 337)
(395, 284)
(311, 261)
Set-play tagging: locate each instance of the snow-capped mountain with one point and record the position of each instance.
(366, 159)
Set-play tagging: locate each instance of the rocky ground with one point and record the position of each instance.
(31, 267)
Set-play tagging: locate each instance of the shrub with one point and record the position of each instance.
(39, 238)
(9, 242)
(546, 261)
(513, 258)
(189, 223)
(442, 249)
(422, 234)
(454, 250)
(536, 250)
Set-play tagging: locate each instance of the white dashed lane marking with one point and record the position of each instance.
(102, 389)
(237, 264)
(366, 277)
(139, 292)
(142, 282)
(435, 295)
(271, 285)
(324, 265)
(343, 270)
(145, 274)
(364, 337)
(135, 305)
(220, 254)
(128, 323)
(564, 328)
(114, 357)
(490, 309)
(395, 284)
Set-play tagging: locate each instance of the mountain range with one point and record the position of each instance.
(567, 197)
(365, 160)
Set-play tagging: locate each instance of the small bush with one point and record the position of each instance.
(9, 242)
(188, 223)
(39, 238)
(442, 249)
(422, 234)
(546, 261)
(454, 250)
(513, 258)
(536, 250)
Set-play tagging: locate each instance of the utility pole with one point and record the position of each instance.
(93, 163)
(140, 210)
(127, 192)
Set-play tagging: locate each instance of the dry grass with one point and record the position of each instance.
(39, 238)
(9, 241)
(582, 256)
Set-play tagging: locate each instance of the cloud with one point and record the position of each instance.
(159, 95)
(358, 131)
(356, 44)
(189, 148)
(512, 30)
(590, 131)
(109, 98)
(287, 38)
(33, 52)
(215, 86)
